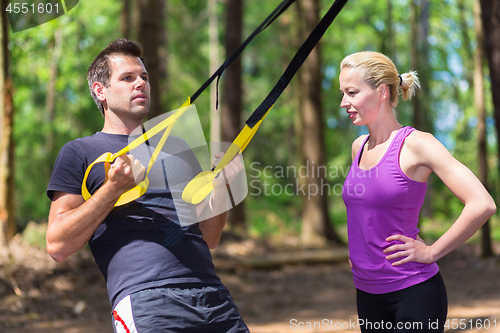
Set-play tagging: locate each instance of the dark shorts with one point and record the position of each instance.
(419, 308)
(179, 309)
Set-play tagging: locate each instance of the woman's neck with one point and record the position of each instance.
(381, 130)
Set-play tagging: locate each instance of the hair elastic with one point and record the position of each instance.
(400, 80)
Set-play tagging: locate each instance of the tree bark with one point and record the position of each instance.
(419, 21)
(150, 31)
(125, 19)
(7, 219)
(487, 249)
(388, 42)
(50, 100)
(315, 218)
(213, 33)
(466, 42)
(490, 13)
(232, 106)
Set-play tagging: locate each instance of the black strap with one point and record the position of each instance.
(270, 19)
(296, 62)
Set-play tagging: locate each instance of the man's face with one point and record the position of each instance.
(128, 91)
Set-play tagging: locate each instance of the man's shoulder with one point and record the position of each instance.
(83, 141)
(96, 141)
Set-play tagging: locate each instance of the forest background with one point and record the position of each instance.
(48, 104)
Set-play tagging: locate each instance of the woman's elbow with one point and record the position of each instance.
(486, 208)
(491, 208)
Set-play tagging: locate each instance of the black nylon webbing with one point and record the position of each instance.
(270, 19)
(296, 62)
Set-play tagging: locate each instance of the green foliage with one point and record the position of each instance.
(34, 234)
(38, 139)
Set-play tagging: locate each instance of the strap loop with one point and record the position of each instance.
(108, 158)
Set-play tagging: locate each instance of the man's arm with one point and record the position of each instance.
(212, 228)
(73, 221)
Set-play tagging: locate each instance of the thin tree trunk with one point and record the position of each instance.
(213, 33)
(7, 220)
(149, 32)
(315, 218)
(163, 80)
(490, 13)
(289, 40)
(125, 19)
(388, 47)
(487, 250)
(298, 30)
(414, 13)
(419, 22)
(424, 68)
(464, 29)
(50, 109)
(232, 107)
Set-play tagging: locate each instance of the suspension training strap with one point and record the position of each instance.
(201, 186)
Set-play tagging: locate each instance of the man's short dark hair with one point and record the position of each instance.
(100, 69)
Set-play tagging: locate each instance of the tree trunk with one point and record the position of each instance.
(50, 108)
(7, 220)
(490, 13)
(388, 42)
(464, 29)
(419, 22)
(151, 25)
(315, 218)
(125, 19)
(213, 35)
(487, 250)
(232, 106)
(414, 58)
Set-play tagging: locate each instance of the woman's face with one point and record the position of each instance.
(360, 100)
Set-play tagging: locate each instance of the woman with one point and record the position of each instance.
(399, 287)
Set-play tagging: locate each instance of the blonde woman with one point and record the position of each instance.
(399, 287)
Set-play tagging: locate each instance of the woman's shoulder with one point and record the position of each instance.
(425, 146)
(420, 140)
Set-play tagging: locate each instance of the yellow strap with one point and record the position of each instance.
(108, 158)
(201, 185)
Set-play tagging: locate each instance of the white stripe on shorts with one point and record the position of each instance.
(124, 311)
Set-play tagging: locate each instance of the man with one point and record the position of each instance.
(160, 276)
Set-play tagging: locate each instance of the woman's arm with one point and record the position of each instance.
(478, 204)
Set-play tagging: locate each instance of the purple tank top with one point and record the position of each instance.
(381, 202)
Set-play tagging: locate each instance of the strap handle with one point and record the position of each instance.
(108, 158)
